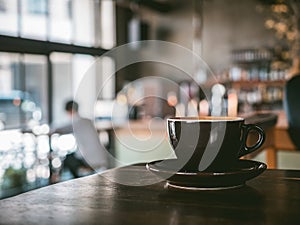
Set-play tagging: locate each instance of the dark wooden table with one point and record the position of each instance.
(271, 198)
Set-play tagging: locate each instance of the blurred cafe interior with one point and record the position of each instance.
(52, 51)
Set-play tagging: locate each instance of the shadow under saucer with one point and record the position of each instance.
(235, 177)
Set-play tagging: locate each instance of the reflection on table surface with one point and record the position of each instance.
(30, 160)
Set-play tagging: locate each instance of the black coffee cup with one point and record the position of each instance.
(212, 144)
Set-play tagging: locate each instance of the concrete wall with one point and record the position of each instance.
(231, 25)
(226, 25)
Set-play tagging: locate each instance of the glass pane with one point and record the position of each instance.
(107, 24)
(71, 72)
(106, 78)
(10, 99)
(35, 68)
(34, 19)
(84, 78)
(60, 20)
(23, 90)
(8, 13)
(83, 22)
(62, 85)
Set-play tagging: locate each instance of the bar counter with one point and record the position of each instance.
(271, 198)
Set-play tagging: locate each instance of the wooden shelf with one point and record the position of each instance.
(247, 83)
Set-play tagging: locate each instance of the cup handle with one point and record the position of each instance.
(261, 138)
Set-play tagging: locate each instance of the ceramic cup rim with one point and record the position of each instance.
(206, 119)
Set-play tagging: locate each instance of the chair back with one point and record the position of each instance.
(292, 108)
(93, 152)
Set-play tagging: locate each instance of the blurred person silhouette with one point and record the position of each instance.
(90, 152)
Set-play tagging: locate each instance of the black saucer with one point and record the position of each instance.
(233, 178)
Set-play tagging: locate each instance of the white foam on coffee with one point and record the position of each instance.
(206, 119)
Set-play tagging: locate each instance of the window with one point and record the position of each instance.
(36, 80)
(60, 21)
(62, 84)
(23, 95)
(83, 26)
(37, 7)
(8, 13)
(35, 83)
(84, 23)
(33, 19)
(3, 6)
